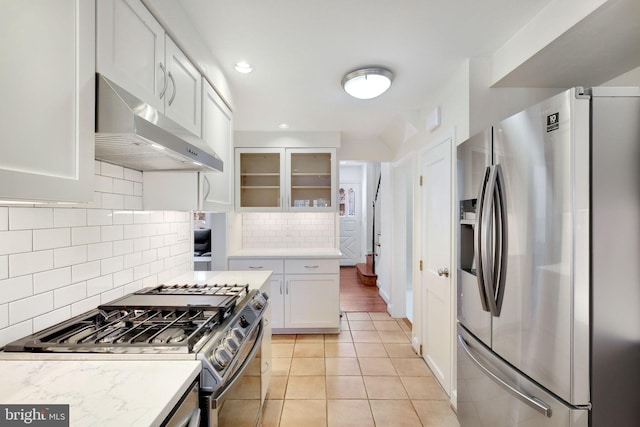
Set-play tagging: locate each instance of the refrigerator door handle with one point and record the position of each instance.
(502, 235)
(478, 244)
(494, 233)
(531, 401)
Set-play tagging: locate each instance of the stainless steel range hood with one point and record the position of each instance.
(132, 133)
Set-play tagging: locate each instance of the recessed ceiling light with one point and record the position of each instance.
(243, 67)
(367, 83)
(283, 126)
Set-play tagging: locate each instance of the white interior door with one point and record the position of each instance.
(350, 211)
(437, 327)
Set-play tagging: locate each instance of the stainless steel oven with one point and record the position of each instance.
(218, 324)
(238, 403)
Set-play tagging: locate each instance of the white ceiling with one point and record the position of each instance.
(300, 49)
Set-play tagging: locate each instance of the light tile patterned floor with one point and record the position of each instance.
(366, 376)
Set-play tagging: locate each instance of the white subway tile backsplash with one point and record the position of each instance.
(99, 285)
(85, 235)
(30, 218)
(123, 277)
(137, 189)
(85, 305)
(4, 267)
(110, 233)
(85, 271)
(4, 219)
(69, 217)
(120, 186)
(99, 251)
(60, 262)
(132, 231)
(112, 201)
(63, 257)
(30, 262)
(109, 296)
(103, 184)
(51, 279)
(51, 238)
(15, 332)
(111, 265)
(107, 169)
(12, 242)
(141, 244)
(132, 202)
(289, 230)
(99, 217)
(141, 271)
(142, 217)
(4, 315)
(69, 294)
(123, 217)
(51, 318)
(30, 307)
(132, 260)
(133, 175)
(122, 247)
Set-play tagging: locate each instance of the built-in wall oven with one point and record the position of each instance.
(218, 324)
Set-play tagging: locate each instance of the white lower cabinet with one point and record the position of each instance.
(312, 301)
(305, 293)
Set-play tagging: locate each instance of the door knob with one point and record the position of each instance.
(444, 272)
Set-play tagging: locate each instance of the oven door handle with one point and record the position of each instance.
(245, 364)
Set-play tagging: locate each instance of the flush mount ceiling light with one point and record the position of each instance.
(243, 67)
(367, 83)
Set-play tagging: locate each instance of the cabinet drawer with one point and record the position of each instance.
(312, 266)
(257, 264)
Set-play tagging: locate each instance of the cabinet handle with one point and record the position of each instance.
(281, 287)
(173, 95)
(164, 78)
(257, 267)
(208, 187)
(311, 266)
(286, 288)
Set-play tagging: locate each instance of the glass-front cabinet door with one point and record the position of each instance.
(310, 179)
(292, 179)
(260, 179)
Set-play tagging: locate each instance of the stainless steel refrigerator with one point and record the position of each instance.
(549, 271)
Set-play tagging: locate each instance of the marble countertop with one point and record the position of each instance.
(100, 393)
(287, 252)
(255, 279)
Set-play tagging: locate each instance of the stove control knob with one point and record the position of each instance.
(221, 358)
(243, 321)
(238, 333)
(258, 302)
(231, 344)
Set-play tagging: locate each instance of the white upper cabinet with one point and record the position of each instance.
(135, 52)
(217, 131)
(47, 120)
(286, 179)
(184, 90)
(131, 49)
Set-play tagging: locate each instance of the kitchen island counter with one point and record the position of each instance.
(100, 393)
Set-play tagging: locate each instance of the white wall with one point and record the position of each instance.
(57, 262)
(286, 139)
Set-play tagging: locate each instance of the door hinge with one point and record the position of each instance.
(420, 349)
(420, 180)
(420, 265)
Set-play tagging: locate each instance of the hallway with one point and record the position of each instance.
(355, 297)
